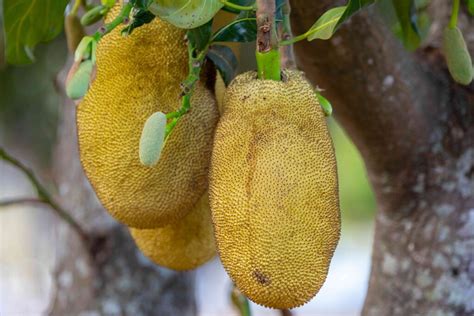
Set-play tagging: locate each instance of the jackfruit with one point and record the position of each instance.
(184, 245)
(274, 190)
(137, 76)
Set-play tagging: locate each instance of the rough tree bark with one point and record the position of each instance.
(415, 129)
(106, 275)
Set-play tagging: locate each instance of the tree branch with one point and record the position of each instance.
(266, 37)
(287, 53)
(382, 95)
(43, 195)
(10, 202)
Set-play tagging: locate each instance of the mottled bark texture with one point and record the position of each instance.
(107, 275)
(415, 129)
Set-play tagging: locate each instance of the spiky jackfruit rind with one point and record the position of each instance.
(274, 190)
(137, 76)
(184, 245)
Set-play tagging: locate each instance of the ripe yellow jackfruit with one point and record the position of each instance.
(184, 245)
(137, 76)
(274, 190)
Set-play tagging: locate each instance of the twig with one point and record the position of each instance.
(266, 37)
(43, 195)
(287, 53)
(285, 312)
(9, 202)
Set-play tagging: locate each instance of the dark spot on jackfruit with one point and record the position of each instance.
(261, 278)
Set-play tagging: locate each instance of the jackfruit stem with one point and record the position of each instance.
(238, 7)
(195, 66)
(268, 65)
(453, 22)
(268, 56)
(121, 18)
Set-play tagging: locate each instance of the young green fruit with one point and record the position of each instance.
(152, 139)
(457, 55)
(274, 191)
(78, 84)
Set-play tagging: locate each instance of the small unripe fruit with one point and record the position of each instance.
(457, 55)
(78, 83)
(152, 139)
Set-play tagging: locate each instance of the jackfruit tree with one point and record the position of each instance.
(193, 157)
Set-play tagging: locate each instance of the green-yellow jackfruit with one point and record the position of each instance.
(184, 245)
(137, 76)
(274, 190)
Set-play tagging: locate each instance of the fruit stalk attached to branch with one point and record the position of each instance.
(268, 56)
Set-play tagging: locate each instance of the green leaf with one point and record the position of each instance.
(29, 22)
(470, 6)
(140, 4)
(140, 17)
(351, 8)
(240, 30)
(186, 14)
(225, 61)
(325, 26)
(199, 37)
(325, 104)
(406, 14)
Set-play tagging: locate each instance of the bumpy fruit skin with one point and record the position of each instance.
(182, 246)
(274, 190)
(137, 76)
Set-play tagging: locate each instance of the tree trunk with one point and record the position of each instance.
(415, 129)
(106, 275)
